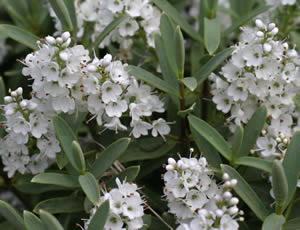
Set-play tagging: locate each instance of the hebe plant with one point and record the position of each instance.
(149, 114)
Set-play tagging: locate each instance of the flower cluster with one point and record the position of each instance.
(28, 126)
(69, 80)
(196, 199)
(262, 71)
(143, 17)
(126, 208)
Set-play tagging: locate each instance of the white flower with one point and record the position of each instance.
(140, 128)
(227, 223)
(115, 109)
(160, 127)
(110, 92)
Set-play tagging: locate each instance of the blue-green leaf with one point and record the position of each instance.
(63, 180)
(49, 221)
(10, 214)
(212, 35)
(62, 13)
(90, 187)
(273, 222)
(211, 135)
(99, 219)
(20, 35)
(255, 162)
(32, 222)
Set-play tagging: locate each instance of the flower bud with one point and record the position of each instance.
(219, 213)
(59, 40)
(19, 91)
(292, 53)
(51, 40)
(233, 182)
(92, 68)
(226, 176)
(169, 167)
(275, 31)
(227, 195)
(66, 35)
(267, 47)
(63, 56)
(259, 24)
(7, 99)
(234, 201)
(23, 104)
(271, 26)
(171, 161)
(233, 210)
(14, 94)
(260, 34)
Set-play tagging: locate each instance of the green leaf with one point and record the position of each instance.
(74, 120)
(99, 219)
(90, 187)
(291, 164)
(147, 219)
(152, 80)
(114, 24)
(10, 214)
(212, 64)
(243, 20)
(63, 180)
(149, 148)
(255, 162)
(61, 205)
(129, 174)
(246, 193)
(32, 222)
(168, 50)
(178, 19)
(78, 158)
(72, 12)
(186, 112)
(20, 35)
(180, 52)
(62, 13)
(279, 185)
(66, 136)
(209, 152)
(212, 35)
(253, 130)
(49, 221)
(16, 11)
(237, 140)
(292, 224)
(211, 135)
(190, 83)
(273, 222)
(109, 155)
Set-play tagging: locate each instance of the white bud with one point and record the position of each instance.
(263, 132)
(7, 99)
(63, 56)
(226, 176)
(66, 35)
(219, 213)
(252, 151)
(51, 40)
(278, 139)
(285, 141)
(285, 45)
(282, 136)
(271, 26)
(218, 197)
(180, 163)
(233, 182)
(23, 104)
(259, 24)
(59, 40)
(233, 210)
(67, 43)
(171, 161)
(241, 212)
(169, 167)
(267, 47)
(227, 195)
(241, 219)
(106, 60)
(19, 91)
(275, 31)
(234, 201)
(92, 68)
(260, 34)
(227, 184)
(14, 94)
